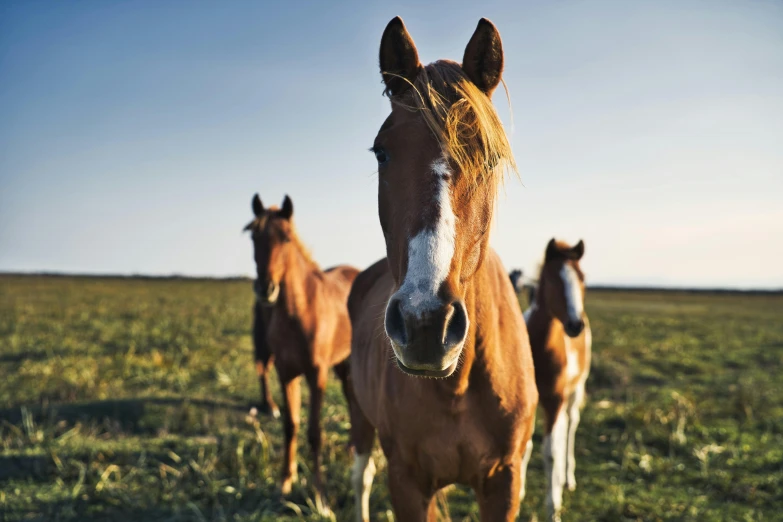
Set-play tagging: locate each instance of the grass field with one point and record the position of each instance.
(127, 400)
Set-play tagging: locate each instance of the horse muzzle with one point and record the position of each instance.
(574, 327)
(427, 343)
(266, 293)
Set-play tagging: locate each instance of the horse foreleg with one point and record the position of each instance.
(362, 440)
(498, 495)
(264, 360)
(317, 384)
(574, 414)
(409, 502)
(292, 404)
(554, 451)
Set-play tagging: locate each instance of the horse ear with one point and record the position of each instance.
(258, 207)
(483, 60)
(578, 250)
(552, 251)
(287, 209)
(399, 59)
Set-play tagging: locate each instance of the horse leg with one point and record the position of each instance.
(498, 495)
(409, 502)
(554, 452)
(574, 414)
(317, 384)
(264, 360)
(292, 404)
(523, 471)
(362, 439)
(343, 372)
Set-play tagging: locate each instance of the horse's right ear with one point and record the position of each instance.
(483, 60)
(552, 251)
(399, 58)
(258, 207)
(287, 210)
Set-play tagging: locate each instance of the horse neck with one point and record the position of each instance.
(300, 277)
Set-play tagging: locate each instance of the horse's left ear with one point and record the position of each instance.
(399, 59)
(258, 207)
(287, 209)
(483, 60)
(552, 251)
(579, 250)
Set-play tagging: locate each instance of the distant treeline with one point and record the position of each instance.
(600, 288)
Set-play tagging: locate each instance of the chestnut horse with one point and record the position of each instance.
(307, 330)
(440, 359)
(261, 315)
(561, 341)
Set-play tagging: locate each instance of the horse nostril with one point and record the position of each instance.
(574, 328)
(395, 323)
(456, 325)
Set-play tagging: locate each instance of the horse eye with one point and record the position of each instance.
(380, 155)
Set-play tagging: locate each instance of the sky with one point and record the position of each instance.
(133, 135)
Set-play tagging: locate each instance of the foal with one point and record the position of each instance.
(440, 362)
(308, 329)
(560, 338)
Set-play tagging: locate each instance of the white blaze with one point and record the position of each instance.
(430, 252)
(573, 292)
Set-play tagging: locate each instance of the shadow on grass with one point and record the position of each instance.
(62, 510)
(24, 356)
(126, 413)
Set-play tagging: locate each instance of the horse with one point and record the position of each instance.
(261, 314)
(440, 358)
(561, 341)
(308, 330)
(518, 282)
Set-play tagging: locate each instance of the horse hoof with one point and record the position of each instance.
(266, 409)
(571, 484)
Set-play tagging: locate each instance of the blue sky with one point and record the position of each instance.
(133, 135)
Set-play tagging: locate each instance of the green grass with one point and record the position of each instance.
(128, 400)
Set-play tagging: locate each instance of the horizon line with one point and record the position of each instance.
(238, 277)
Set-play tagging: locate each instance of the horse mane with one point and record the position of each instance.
(464, 121)
(303, 250)
(259, 223)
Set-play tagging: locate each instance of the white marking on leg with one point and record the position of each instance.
(574, 414)
(555, 446)
(573, 292)
(525, 462)
(361, 475)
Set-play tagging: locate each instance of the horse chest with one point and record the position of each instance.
(456, 446)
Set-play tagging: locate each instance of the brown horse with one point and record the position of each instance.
(307, 331)
(440, 361)
(261, 315)
(561, 340)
